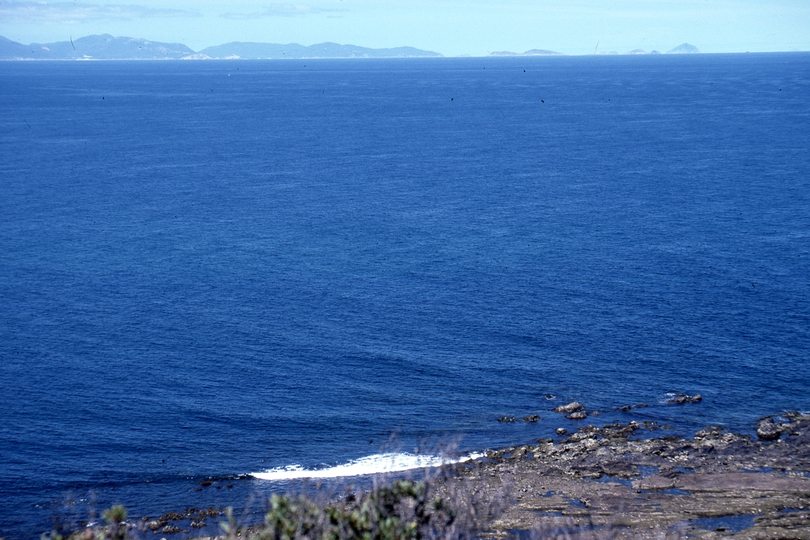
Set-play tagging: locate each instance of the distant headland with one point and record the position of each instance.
(107, 47)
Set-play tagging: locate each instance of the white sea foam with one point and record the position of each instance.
(374, 464)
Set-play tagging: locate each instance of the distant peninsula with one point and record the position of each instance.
(107, 47)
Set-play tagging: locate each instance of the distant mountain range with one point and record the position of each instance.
(107, 47)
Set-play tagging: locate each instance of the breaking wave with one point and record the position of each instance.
(374, 464)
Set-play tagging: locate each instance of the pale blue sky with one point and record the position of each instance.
(450, 27)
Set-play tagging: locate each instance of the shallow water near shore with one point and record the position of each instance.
(219, 268)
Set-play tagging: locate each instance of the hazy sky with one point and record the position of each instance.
(451, 27)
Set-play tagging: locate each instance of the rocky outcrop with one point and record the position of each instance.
(770, 428)
(572, 407)
(680, 399)
(654, 487)
(629, 407)
(196, 517)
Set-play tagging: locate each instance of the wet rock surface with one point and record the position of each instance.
(768, 430)
(570, 408)
(680, 399)
(620, 477)
(170, 523)
(629, 407)
(579, 415)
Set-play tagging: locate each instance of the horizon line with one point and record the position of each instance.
(492, 54)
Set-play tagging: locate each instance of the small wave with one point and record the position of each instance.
(374, 464)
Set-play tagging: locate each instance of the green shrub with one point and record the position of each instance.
(115, 515)
(401, 511)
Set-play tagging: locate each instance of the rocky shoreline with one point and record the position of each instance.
(623, 481)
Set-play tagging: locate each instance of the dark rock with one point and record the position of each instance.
(768, 430)
(520, 452)
(550, 396)
(171, 529)
(171, 516)
(680, 399)
(619, 469)
(581, 436)
(709, 433)
(561, 431)
(579, 415)
(617, 431)
(637, 406)
(198, 524)
(594, 471)
(570, 408)
(209, 512)
(507, 419)
(531, 418)
(206, 483)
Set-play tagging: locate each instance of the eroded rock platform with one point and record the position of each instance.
(618, 482)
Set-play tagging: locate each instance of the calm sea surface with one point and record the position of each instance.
(209, 269)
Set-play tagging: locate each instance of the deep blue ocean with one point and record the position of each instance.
(209, 269)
